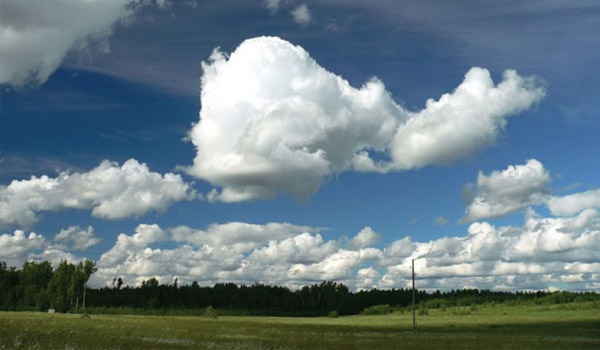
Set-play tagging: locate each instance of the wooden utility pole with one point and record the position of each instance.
(414, 306)
(84, 296)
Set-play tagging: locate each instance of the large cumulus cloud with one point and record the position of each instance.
(111, 191)
(273, 121)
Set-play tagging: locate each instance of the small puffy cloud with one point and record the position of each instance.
(15, 248)
(111, 191)
(76, 238)
(144, 235)
(502, 192)
(302, 15)
(365, 238)
(272, 5)
(440, 220)
(574, 203)
(275, 122)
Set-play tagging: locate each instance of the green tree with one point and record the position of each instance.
(67, 284)
(33, 279)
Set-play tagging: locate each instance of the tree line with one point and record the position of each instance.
(37, 286)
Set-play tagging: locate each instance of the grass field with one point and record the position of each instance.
(575, 326)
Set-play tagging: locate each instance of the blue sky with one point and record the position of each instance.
(122, 80)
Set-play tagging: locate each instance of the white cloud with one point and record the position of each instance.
(273, 121)
(144, 235)
(54, 254)
(543, 253)
(76, 238)
(440, 220)
(574, 203)
(337, 266)
(302, 15)
(242, 237)
(272, 5)
(300, 249)
(365, 238)
(367, 278)
(503, 192)
(36, 35)
(15, 248)
(463, 122)
(111, 191)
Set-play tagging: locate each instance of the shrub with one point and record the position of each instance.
(211, 312)
(334, 314)
(460, 312)
(383, 309)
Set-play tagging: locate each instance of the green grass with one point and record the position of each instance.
(573, 326)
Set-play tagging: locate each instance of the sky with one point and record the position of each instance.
(289, 142)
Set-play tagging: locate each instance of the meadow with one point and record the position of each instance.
(488, 326)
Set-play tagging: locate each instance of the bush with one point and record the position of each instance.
(423, 310)
(383, 309)
(211, 312)
(334, 314)
(460, 312)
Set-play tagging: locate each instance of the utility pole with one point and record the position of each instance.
(84, 288)
(413, 293)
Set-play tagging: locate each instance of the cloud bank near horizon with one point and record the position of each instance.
(273, 121)
(544, 253)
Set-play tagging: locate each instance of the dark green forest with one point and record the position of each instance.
(39, 287)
